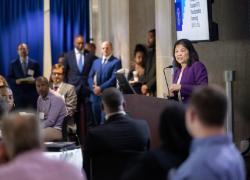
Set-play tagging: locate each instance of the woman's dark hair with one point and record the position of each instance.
(140, 48)
(1, 87)
(173, 131)
(193, 56)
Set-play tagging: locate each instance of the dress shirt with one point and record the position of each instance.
(58, 86)
(111, 114)
(33, 164)
(107, 58)
(78, 56)
(214, 157)
(54, 109)
(26, 60)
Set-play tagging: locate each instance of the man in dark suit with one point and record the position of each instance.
(68, 93)
(79, 62)
(149, 77)
(24, 91)
(101, 77)
(117, 133)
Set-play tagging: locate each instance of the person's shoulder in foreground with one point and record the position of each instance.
(32, 165)
(212, 158)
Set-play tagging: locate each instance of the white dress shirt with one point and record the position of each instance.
(58, 86)
(26, 60)
(77, 53)
(107, 58)
(110, 114)
(179, 92)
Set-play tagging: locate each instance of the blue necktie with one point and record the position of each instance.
(103, 64)
(80, 63)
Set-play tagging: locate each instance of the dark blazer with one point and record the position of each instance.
(105, 78)
(16, 72)
(152, 165)
(76, 78)
(118, 133)
(149, 77)
(191, 77)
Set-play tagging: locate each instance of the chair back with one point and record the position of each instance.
(64, 128)
(111, 166)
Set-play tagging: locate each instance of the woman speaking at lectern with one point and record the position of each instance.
(189, 72)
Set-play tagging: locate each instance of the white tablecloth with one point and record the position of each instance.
(72, 156)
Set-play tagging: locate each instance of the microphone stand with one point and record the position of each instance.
(167, 81)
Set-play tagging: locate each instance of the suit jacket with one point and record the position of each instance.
(76, 78)
(149, 77)
(118, 133)
(191, 77)
(16, 72)
(105, 77)
(70, 97)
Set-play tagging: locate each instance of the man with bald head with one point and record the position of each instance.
(117, 133)
(79, 61)
(101, 77)
(23, 67)
(21, 157)
(51, 109)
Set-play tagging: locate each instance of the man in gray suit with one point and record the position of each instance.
(68, 93)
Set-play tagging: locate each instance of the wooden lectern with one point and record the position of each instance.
(148, 109)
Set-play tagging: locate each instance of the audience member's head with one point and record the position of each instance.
(112, 100)
(3, 110)
(22, 50)
(90, 47)
(20, 134)
(79, 42)
(140, 55)
(106, 48)
(3, 82)
(187, 51)
(151, 39)
(60, 59)
(57, 73)
(42, 86)
(173, 132)
(206, 111)
(7, 94)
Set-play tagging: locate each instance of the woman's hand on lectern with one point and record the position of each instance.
(175, 87)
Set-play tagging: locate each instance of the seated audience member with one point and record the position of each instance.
(118, 133)
(213, 154)
(7, 94)
(189, 72)
(68, 93)
(3, 111)
(91, 47)
(3, 82)
(174, 150)
(21, 157)
(51, 110)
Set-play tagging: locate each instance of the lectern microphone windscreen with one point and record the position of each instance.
(125, 86)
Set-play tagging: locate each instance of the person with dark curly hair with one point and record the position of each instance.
(189, 71)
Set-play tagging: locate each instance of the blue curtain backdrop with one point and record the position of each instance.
(68, 18)
(21, 21)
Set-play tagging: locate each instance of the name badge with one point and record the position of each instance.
(41, 115)
(31, 72)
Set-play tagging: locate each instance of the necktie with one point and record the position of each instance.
(103, 64)
(24, 68)
(56, 88)
(80, 63)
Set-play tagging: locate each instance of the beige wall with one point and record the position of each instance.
(125, 23)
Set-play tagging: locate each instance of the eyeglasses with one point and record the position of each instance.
(149, 38)
(59, 74)
(22, 49)
(9, 98)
